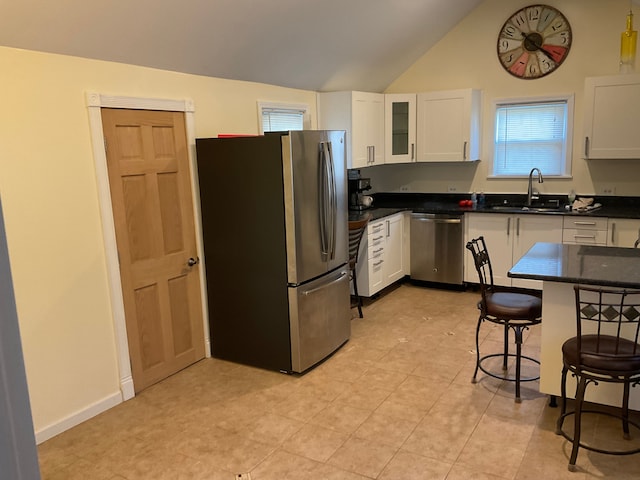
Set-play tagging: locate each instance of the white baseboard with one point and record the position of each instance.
(126, 387)
(77, 418)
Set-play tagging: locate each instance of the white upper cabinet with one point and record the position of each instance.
(400, 127)
(448, 126)
(612, 116)
(361, 114)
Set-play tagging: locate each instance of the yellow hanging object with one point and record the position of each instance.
(628, 41)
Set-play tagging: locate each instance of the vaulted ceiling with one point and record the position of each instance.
(319, 45)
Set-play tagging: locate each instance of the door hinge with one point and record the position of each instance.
(105, 145)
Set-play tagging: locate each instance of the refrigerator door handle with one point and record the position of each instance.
(324, 202)
(317, 289)
(333, 200)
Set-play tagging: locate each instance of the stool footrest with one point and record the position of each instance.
(505, 376)
(561, 432)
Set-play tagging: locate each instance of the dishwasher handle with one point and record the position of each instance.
(421, 218)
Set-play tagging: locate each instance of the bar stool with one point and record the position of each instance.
(605, 349)
(356, 230)
(509, 307)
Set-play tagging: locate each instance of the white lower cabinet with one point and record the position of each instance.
(508, 238)
(584, 230)
(623, 232)
(381, 260)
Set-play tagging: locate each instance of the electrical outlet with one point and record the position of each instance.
(452, 189)
(404, 188)
(609, 190)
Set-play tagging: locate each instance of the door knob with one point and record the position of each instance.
(193, 261)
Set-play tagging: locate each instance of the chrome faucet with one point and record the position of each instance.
(530, 194)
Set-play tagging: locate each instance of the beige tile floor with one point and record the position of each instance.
(395, 402)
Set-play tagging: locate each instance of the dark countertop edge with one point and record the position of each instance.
(566, 251)
(375, 213)
(574, 280)
(390, 203)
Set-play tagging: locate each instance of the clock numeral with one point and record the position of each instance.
(533, 13)
(508, 44)
(546, 17)
(546, 63)
(510, 31)
(519, 19)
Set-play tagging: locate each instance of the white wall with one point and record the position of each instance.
(466, 58)
(50, 197)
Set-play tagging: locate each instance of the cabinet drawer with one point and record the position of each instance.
(375, 251)
(588, 237)
(376, 228)
(581, 223)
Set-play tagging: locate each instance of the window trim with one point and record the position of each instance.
(306, 116)
(499, 102)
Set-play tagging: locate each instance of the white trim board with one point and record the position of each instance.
(78, 417)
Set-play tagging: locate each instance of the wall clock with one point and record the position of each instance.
(534, 41)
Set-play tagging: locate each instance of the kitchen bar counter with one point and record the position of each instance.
(560, 267)
(587, 264)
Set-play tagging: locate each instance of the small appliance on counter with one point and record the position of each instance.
(357, 185)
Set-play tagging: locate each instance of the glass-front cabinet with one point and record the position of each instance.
(400, 127)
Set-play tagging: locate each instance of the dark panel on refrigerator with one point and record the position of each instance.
(242, 204)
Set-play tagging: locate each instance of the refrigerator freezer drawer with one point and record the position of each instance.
(320, 318)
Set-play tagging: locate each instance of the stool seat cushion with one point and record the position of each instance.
(601, 356)
(513, 306)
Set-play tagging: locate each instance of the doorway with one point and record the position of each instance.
(151, 240)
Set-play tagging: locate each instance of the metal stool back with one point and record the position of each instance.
(356, 231)
(605, 349)
(512, 308)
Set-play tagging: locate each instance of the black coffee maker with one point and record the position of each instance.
(357, 199)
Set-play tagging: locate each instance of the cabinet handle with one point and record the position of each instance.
(413, 152)
(586, 147)
(464, 151)
(377, 264)
(613, 233)
(388, 228)
(585, 236)
(508, 226)
(375, 252)
(518, 227)
(377, 238)
(584, 223)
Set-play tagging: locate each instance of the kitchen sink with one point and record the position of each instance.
(524, 208)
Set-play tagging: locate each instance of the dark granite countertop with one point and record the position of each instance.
(586, 264)
(374, 213)
(385, 204)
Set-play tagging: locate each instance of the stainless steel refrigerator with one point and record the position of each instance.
(275, 233)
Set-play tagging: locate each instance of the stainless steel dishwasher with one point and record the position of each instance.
(437, 250)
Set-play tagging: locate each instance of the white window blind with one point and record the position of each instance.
(282, 119)
(529, 135)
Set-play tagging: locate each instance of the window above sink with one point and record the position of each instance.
(532, 132)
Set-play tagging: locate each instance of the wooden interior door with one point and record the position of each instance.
(150, 186)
